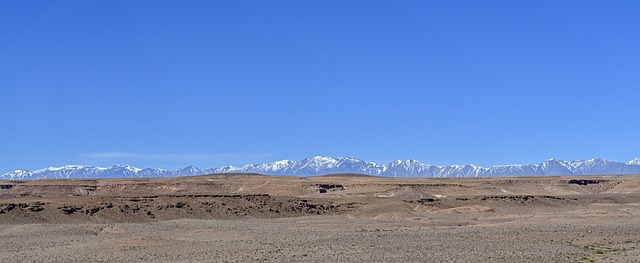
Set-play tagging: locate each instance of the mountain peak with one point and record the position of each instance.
(126, 167)
(66, 167)
(321, 159)
(17, 174)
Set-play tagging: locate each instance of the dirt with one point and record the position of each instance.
(337, 218)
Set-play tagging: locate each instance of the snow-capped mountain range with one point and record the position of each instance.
(321, 165)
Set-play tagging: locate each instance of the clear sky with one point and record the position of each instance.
(208, 83)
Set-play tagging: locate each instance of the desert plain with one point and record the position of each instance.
(334, 218)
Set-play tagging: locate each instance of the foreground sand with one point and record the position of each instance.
(347, 218)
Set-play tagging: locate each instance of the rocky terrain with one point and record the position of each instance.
(336, 218)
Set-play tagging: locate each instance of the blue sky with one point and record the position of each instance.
(208, 83)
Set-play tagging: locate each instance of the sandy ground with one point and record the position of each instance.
(345, 218)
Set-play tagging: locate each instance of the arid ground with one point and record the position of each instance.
(338, 218)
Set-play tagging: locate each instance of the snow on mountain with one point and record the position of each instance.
(187, 171)
(320, 165)
(634, 161)
(17, 175)
(515, 169)
(597, 166)
(81, 171)
(152, 172)
(71, 171)
(554, 166)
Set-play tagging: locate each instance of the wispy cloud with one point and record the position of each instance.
(173, 157)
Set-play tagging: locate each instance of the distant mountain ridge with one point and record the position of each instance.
(321, 165)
